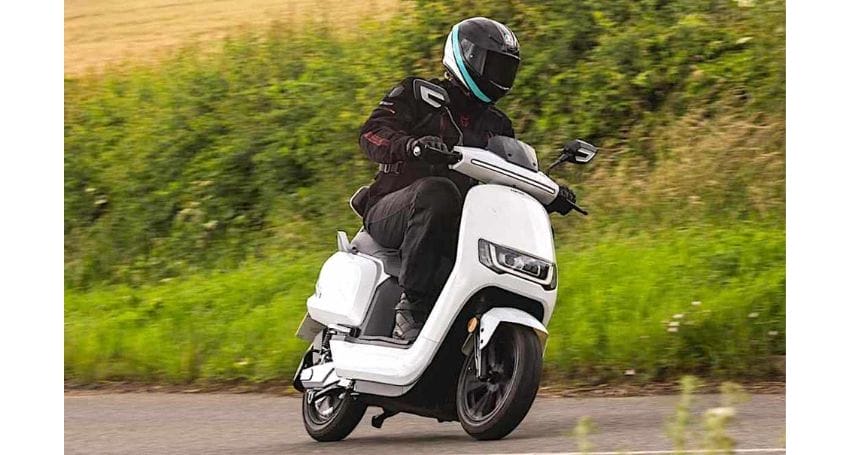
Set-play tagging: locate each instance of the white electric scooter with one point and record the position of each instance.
(479, 356)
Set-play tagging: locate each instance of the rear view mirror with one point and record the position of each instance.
(432, 94)
(579, 152)
(576, 152)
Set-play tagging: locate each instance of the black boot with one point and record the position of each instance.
(410, 316)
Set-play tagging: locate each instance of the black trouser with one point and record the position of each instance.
(422, 221)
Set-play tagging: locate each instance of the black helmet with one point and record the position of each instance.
(482, 55)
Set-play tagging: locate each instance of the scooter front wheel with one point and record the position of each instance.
(331, 417)
(491, 407)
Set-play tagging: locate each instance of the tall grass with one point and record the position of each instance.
(618, 302)
(702, 300)
(228, 325)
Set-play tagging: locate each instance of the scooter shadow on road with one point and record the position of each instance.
(460, 437)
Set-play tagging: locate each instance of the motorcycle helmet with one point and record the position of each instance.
(482, 56)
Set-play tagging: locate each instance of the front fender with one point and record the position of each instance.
(490, 321)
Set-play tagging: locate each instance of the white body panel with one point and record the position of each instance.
(319, 375)
(485, 166)
(495, 213)
(491, 319)
(344, 289)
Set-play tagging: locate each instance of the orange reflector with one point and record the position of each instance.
(471, 325)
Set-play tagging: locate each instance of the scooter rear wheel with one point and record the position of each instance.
(331, 417)
(492, 407)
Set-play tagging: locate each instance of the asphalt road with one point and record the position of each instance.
(142, 423)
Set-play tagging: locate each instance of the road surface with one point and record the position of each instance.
(142, 423)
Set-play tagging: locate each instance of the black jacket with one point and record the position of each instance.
(400, 117)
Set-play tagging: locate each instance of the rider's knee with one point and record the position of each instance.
(438, 194)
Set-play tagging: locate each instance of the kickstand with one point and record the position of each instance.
(378, 420)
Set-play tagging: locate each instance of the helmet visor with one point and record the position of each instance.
(473, 55)
(500, 69)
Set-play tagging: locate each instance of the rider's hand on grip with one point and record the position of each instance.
(563, 202)
(430, 149)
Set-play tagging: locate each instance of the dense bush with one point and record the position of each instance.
(213, 157)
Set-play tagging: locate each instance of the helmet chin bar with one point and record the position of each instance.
(455, 82)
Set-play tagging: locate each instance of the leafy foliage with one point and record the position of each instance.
(201, 193)
(212, 158)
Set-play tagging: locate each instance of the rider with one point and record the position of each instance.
(414, 204)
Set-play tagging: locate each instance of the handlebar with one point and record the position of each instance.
(578, 209)
(455, 156)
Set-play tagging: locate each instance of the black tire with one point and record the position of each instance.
(492, 408)
(338, 418)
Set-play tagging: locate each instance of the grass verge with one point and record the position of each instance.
(619, 303)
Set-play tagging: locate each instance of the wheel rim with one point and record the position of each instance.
(482, 398)
(321, 410)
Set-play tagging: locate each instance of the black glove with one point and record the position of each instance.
(561, 204)
(430, 149)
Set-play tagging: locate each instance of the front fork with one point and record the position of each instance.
(481, 366)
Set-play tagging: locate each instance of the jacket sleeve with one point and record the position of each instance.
(384, 136)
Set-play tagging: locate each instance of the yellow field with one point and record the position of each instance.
(98, 32)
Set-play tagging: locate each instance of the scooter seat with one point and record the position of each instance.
(390, 257)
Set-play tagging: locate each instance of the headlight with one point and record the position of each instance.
(505, 260)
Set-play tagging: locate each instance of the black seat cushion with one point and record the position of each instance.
(390, 257)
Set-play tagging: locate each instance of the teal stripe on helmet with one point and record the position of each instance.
(459, 62)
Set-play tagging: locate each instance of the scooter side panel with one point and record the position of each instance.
(496, 213)
(382, 364)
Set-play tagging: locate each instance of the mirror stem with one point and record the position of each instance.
(557, 162)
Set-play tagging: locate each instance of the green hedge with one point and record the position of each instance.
(210, 158)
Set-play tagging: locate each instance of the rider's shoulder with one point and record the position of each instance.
(405, 87)
(408, 81)
(495, 111)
